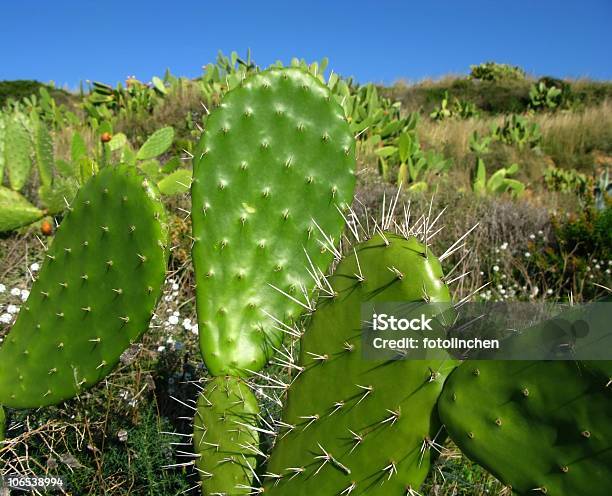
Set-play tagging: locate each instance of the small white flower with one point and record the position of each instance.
(2, 288)
(176, 313)
(532, 236)
(175, 293)
(175, 286)
(502, 291)
(194, 329)
(168, 298)
(161, 348)
(549, 291)
(6, 318)
(173, 320)
(607, 271)
(187, 324)
(597, 266)
(170, 340)
(12, 309)
(24, 294)
(527, 254)
(495, 268)
(541, 233)
(504, 246)
(15, 292)
(481, 273)
(35, 267)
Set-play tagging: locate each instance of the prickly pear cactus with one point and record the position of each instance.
(2, 424)
(275, 161)
(225, 437)
(95, 293)
(539, 427)
(356, 426)
(17, 151)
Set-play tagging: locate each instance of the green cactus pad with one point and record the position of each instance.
(275, 160)
(2, 423)
(16, 211)
(362, 427)
(226, 411)
(540, 427)
(17, 153)
(94, 296)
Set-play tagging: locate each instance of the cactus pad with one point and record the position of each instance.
(224, 437)
(539, 427)
(2, 423)
(355, 426)
(276, 159)
(94, 296)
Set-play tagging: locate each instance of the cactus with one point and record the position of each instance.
(2, 423)
(43, 147)
(17, 152)
(354, 426)
(225, 436)
(94, 296)
(539, 427)
(275, 162)
(16, 211)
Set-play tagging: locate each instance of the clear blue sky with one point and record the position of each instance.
(382, 41)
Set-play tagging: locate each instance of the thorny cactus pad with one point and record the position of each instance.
(2, 424)
(354, 426)
(225, 437)
(540, 427)
(94, 296)
(274, 165)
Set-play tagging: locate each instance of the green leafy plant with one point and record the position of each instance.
(544, 97)
(518, 131)
(567, 181)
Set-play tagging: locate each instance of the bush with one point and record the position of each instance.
(492, 71)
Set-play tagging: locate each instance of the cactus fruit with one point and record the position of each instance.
(355, 426)
(95, 293)
(539, 427)
(275, 163)
(225, 436)
(2, 423)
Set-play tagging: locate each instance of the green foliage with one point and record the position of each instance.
(587, 234)
(460, 109)
(567, 181)
(498, 183)
(43, 147)
(109, 251)
(544, 97)
(2, 424)
(275, 163)
(518, 131)
(492, 71)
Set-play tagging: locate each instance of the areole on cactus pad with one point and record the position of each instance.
(94, 295)
(272, 169)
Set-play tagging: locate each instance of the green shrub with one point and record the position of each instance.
(492, 71)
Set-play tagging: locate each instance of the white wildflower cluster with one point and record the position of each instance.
(14, 298)
(173, 322)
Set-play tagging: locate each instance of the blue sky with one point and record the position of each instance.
(382, 41)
